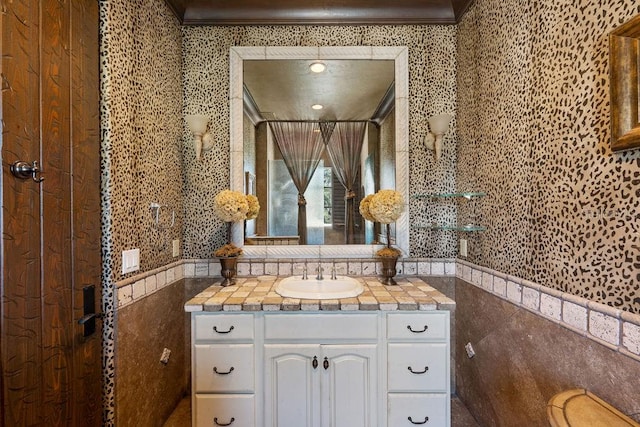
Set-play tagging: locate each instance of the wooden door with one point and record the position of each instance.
(50, 247)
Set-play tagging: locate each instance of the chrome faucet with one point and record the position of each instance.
(304, 271)
(320, 270)
(333, 272)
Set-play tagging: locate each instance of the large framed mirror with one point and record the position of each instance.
(242, 58)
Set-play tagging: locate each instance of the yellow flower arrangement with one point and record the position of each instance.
(386, 206)
(364, 208)
(230, 206)
(254, 207)
(233, 206)
(227, 251)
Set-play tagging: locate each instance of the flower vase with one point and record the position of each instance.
(228, 270)
(388, 270)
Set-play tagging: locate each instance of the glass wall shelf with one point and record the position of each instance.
(466, 195)
(468, 227)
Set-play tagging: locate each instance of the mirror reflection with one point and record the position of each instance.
(315, 143)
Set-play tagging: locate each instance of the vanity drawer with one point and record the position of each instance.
(224, 368)
(418, 367)
(417, 327)
(324, 326)
(219, 410)
(422, 409)
(223, 327)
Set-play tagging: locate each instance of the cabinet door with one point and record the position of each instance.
(292, 387)
(349, 386)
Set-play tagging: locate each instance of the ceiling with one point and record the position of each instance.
(318, 12)
(347, 89)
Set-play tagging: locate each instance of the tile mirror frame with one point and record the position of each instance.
(399, 54)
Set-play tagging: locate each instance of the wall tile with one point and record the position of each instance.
(151, 283)
(500, 286)
(574, 315)
(531, 298)
(631, 337)
(604, 327)
(551, 306)
(514, 292)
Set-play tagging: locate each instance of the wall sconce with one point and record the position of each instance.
(202, 139)
(439, 125)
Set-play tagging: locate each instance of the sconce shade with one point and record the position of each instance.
(440, 124)
(197, 123)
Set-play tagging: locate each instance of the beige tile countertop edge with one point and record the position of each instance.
(251, 294)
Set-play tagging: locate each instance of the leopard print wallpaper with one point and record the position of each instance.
(141, 126)
(432, 90)
(527, 85)
(562, 210)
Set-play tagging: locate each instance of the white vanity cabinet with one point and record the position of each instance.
(418, 374)
(223, 370)
(321, 369)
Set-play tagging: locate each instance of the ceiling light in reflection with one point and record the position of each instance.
(317, 107)
(317, 67)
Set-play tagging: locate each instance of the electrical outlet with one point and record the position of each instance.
(469, 349)
(176, 247)
(463, 247)
(164, 359)
(130, 261)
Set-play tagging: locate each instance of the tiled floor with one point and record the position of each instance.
(460, 416)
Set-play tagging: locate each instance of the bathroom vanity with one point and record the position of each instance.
(381, 359)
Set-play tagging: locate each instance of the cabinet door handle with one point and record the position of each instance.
(315, 362)
(325, 364)
(417, 331)
(215, 420)
(215, 328)
(419, 422)
(426, 368)
(215, 369)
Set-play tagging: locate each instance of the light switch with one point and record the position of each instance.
(176, 247)
(130, 261)
(463, 247)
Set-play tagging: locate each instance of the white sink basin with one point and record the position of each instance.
(341, 287)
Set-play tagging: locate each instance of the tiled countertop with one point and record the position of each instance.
(258, 294)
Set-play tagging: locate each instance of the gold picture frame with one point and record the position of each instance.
(624, 64)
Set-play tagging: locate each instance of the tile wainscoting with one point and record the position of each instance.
(616, 329)
(611, 327)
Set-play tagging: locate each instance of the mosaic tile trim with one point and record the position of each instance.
(137, 287)
(351, 267)
(616, 329)
(258, 294)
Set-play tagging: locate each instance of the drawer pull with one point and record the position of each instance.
(426, 368)
(215, 369)
(325, 364)
(419, 422)
(315, 362)
(215, 328)
(215, 420)
(417, 331)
